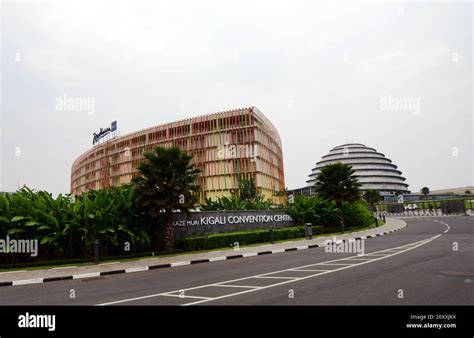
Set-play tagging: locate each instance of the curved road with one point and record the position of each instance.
(418, 265)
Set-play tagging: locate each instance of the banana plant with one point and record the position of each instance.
(67, 228)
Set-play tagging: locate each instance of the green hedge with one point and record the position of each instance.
(223, 240)
(357, 215)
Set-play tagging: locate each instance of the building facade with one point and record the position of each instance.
(226, 146)
(372, 169)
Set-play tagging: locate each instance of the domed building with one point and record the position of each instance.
(372, 169)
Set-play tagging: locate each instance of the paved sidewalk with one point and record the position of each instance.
(48, 275)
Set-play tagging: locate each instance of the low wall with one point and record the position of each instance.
(213, 222)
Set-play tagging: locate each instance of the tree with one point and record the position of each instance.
(166, 182)
(372, 197)
(337, 182)
(425, 191)
(468, 192)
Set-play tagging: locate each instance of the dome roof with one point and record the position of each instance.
(372, 169)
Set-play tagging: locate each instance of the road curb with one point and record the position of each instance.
(85, 276)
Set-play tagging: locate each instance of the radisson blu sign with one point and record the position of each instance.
(103, 132)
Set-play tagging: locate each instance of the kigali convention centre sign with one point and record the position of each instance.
(207, 222)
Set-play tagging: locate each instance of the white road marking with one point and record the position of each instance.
(306, 277)
(256, 288)
(338, 263)
(251, 288)
(358, 259)
(184, 296)
(276, 277)
(395, 250)
(236, 286)
(308, 270)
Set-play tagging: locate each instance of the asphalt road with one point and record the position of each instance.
(415, 266)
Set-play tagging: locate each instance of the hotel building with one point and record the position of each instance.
(226, 146)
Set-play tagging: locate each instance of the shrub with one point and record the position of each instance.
(357, 214)
(317, 210)
(223, 240)
(234, 202)
(314, 210)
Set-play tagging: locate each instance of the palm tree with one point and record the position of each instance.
(337, 182)
(425, 191)
(166, 181)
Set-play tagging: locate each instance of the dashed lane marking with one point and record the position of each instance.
(375, 256)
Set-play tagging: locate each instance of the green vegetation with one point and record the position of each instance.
(425, 191)
(337, 182)
(372, 197)
(242, 238)
(126, 220)
(166, 181)
(234, 202)
(248, 190)
(357, 214)
(316, 210)
(134, 257)
(246, 197)
(252, 237)
(67, 228)
(135, 219)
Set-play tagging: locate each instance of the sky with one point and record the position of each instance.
(394, 76)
